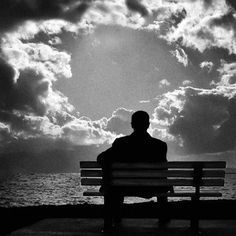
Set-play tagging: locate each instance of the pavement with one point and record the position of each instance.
(128, 227)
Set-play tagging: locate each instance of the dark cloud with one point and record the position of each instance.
(7, 74)
(207, 122)
(208, 3)
(44, 155)
(226, 140)
(27, 92)
(15, 121)
(136, 5)
(175, 19)
(21, 126)
(5, 135)
(21, 93)
(21, 102)
(232, 3)
(14, 12)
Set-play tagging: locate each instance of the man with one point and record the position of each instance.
(137, 147)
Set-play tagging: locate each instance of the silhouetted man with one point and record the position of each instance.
(137, 147)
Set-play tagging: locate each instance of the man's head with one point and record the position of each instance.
(140, 121)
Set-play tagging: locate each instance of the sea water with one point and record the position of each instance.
(64, 188)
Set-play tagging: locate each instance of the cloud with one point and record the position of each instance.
(202, 119)
(169, 106)
(228, 73)
(137, 6)
(164, 83)
(85, 132)
(30, 105)
(55, 41)
(5, 135)
(186, 82)
(159, 129)
(199, 24)
(14, 13)
(181, 56)
(232, 3)
(120, 122)
(227, 21)
(144, 101)
(33, 68)
(123, 13)
(7, 78)
(74, 130)
(207, 65)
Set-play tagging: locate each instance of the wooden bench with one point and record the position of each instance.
(188, 174)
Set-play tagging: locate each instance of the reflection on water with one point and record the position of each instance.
(64, 188)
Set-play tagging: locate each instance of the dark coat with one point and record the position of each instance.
(135, 148)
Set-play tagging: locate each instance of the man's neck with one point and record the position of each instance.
(140, 132)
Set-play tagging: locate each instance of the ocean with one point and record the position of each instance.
(64, 188)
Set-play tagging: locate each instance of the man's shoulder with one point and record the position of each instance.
(130, 139)
(158, 141)
(122, 139)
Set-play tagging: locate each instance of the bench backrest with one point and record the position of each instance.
(186, 173)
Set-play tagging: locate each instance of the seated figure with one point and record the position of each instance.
(136, 147)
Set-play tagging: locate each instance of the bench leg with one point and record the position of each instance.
(195, 224)
(117, 207)
(165, 219)
(107, 213)
(195, 217)
(194, 229)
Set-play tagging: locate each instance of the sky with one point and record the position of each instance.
(72, 72)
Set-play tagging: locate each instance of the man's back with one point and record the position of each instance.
(135, 148)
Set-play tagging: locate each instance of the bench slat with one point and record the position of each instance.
(164, 182)
(165, 173)
(152, 182)
(91, 173)
(178, 164)
(89, 164)
(180, 194)
(152, 173)
(175, 165)
(92, 193)
(91, 181)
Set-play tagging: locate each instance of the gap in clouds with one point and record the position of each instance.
(118, 67)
